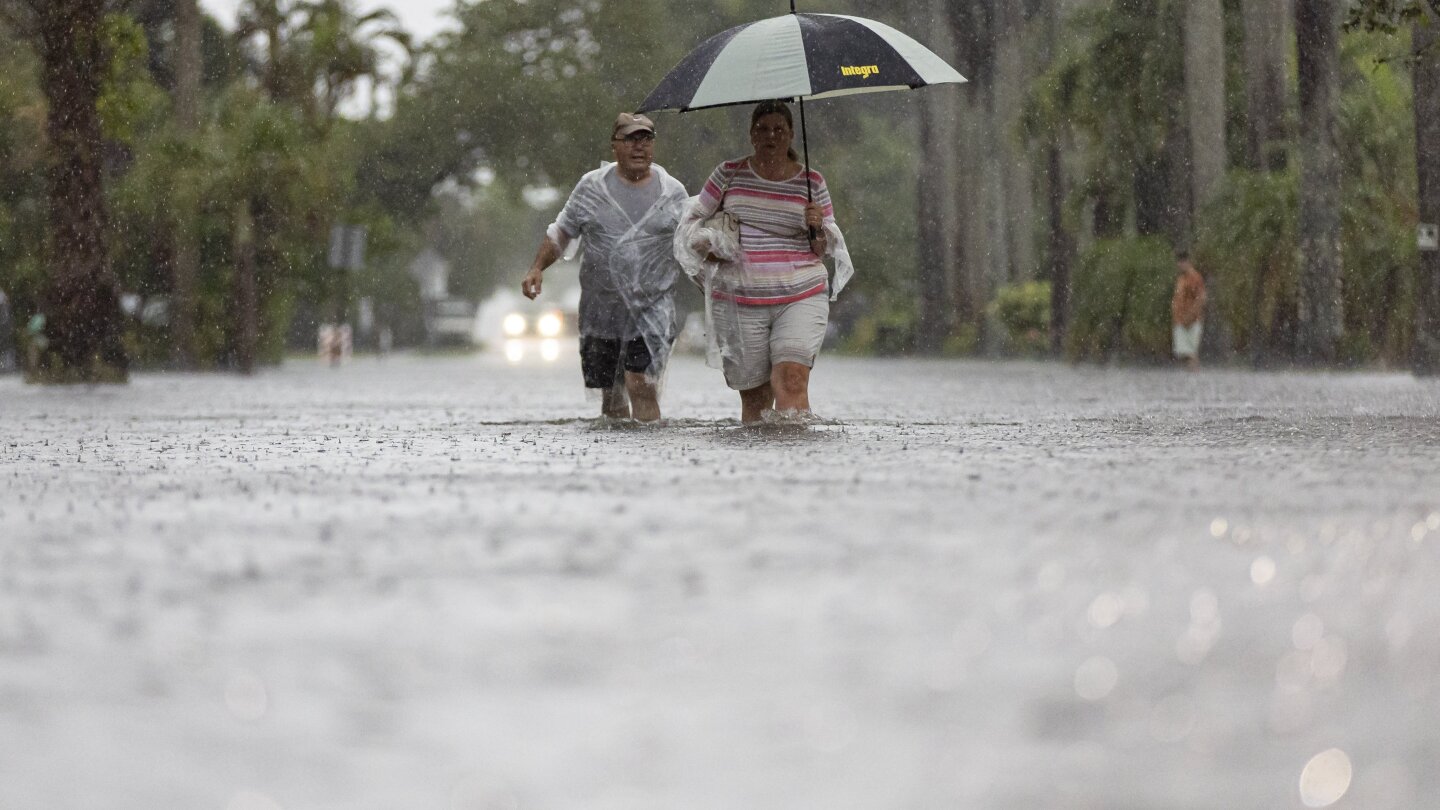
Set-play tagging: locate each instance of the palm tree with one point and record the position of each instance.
(275, 62)
(1426, 73)
(80, 301)
(1266, 94)
(343, 47)
(186, 263)
(1320, 315)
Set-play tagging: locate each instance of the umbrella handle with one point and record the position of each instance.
(805, 145)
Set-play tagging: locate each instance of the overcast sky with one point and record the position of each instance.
(422, 18)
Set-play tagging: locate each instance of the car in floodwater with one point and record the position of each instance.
(525, 330)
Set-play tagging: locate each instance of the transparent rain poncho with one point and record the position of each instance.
(628, 268)
(718, 279)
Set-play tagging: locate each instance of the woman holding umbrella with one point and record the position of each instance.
(772, 296)
(774, 305)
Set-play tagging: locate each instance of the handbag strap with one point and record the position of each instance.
(724, 192)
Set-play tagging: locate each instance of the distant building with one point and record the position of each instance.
(447, 319)
(432, 272)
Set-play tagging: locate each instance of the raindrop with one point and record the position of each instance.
(973, 637)
(831, 732)
(472, 793)
(1326, 778)
(1329, 658)
(1386, 785)
(1195, 643)
(1398, 631)
(1262, 571)
(1172, 719)
(1433, 521)
(1096, 678)
(1308, 631)
(1106, 610)
(250, 800)
(1204, 606)
(246, 696)
(1218, 527)
(1290, 710)
(1051, 576)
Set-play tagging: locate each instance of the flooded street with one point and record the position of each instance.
(439, 583)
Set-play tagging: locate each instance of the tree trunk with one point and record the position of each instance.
(247, 314)
(1017, 206)
(1320, 314)
(1266, 94)
(186, 267)
(1205, 107)
(1205, 96)
(80, 302)
(1060, 249)
(1426, 350)
(972, 26)
(930, 226)
(937, 189)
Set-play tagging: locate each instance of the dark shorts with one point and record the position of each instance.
(602, 364)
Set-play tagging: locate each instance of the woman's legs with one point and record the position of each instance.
(778, 345)
(791, 384)
(796, 334)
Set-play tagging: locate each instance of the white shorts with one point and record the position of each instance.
(766, 335)
(1186, 340)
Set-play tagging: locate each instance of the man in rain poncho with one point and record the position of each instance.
(626, 212)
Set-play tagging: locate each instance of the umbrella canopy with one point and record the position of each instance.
(799, 56)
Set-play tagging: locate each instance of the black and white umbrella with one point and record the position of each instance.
(798, 56)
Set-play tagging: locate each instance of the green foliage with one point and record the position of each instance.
(1114, 86)
(871, 172)
(1121, 301)
(1247, 237)
(1380, 214)
(1388, 15)
(22, 190)
(129, 100)
(1024, 310)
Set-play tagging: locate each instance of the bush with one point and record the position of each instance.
(1121, 301)
(1246, 237)
(1024, 310)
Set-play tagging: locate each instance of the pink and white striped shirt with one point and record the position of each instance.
(778, 265)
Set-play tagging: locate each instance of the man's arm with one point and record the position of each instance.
(548, 254)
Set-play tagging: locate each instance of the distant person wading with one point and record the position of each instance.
(626, 212)
(1187, 311)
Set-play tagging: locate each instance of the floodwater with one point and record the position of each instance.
(438, 583)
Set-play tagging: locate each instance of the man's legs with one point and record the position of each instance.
(600, 365)
(755, 401)
(644, 397)
(641, 373)
(614, 403)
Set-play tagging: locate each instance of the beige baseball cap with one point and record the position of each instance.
(626, 123)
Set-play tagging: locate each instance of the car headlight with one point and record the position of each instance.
(514, 324)
(550, 325)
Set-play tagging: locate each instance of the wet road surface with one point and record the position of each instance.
(438, 583)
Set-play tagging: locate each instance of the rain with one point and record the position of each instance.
(529, 404)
